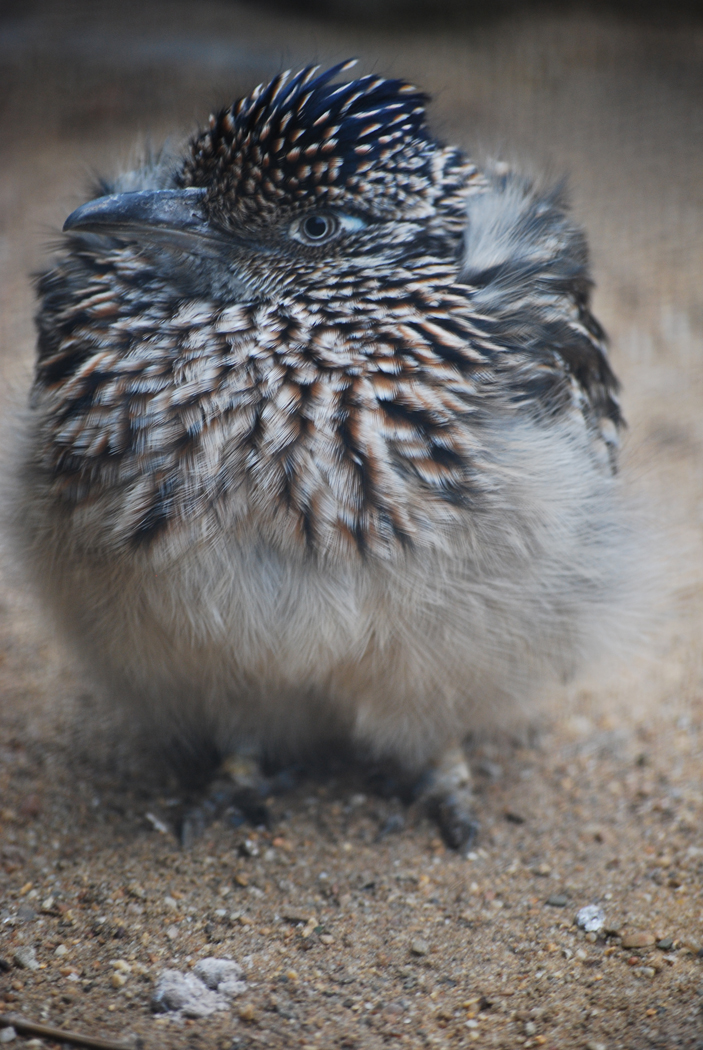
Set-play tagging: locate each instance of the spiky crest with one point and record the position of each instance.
(306, 139)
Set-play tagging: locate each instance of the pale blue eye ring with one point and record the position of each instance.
(319, 227)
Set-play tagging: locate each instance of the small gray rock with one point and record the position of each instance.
(26, 958)
(557, 900)
(7, 1034)
(419, 946)
(221, 975)
(185, 994)
(591, 918)
(209, 988)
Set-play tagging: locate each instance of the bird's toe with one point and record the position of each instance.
(456, 821)
(446, 789)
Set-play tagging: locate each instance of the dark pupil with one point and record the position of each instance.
(316, 227)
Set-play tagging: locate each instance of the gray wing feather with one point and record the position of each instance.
(527, 262)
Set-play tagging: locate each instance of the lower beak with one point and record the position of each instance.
(172, 217)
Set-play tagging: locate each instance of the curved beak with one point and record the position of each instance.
(174, 217)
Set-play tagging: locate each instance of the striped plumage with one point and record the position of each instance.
(323, 432)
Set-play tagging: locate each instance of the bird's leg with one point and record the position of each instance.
(238, 790)
(446, 789)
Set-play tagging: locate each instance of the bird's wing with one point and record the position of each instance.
(527, 264)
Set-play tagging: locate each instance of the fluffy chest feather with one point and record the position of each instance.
(347, 419)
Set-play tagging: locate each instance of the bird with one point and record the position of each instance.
(323, 437)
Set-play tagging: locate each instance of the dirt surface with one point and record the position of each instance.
(352, 923)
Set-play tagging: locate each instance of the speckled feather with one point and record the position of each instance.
(375, 422)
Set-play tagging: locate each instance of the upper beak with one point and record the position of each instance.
(156, 216)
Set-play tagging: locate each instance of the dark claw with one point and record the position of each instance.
(250, 804)
(238, 803)
(283, 781)
(235, 817)
(458, 826)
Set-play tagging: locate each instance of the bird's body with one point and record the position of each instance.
(322, 432)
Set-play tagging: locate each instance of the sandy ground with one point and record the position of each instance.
(348, 938)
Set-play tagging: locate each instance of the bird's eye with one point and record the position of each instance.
(318, 227)
(322, 226)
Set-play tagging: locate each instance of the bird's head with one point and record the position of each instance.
(301, 175)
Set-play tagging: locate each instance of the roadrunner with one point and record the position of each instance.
(322, 438)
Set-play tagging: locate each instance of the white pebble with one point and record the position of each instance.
(207, 989)
(221, 975)
(185, 994)
(591, 918)
(26, 958)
